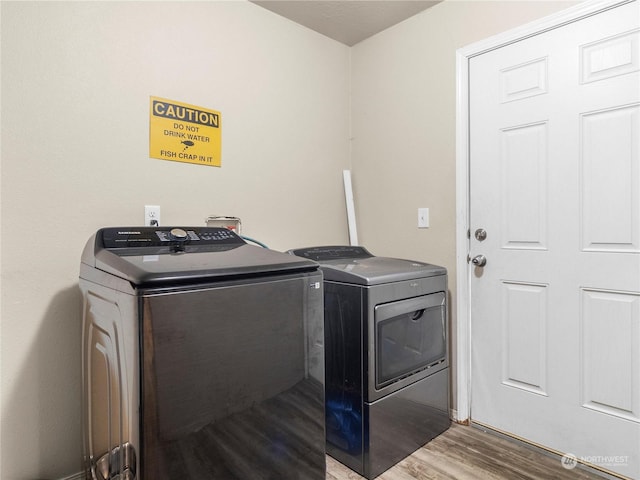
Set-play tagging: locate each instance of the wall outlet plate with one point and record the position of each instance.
(152, 215)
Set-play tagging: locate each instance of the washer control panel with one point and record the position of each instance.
(135, 237)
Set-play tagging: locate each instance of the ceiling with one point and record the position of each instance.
(347, 21)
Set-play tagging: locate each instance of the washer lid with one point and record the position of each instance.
(151, 256)
(356, 265)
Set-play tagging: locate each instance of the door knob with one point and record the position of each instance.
(479, 260)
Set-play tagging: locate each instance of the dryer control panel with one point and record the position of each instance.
(333, 252)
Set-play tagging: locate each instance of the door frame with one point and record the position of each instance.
(462, 413)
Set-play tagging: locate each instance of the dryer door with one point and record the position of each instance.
(410, 337)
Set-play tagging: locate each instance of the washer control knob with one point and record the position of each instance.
(178, 234)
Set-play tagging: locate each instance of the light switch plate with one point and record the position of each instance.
(423, 218)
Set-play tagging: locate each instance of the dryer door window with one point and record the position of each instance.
(410, 336)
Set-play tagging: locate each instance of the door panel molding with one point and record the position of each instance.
(609, 180)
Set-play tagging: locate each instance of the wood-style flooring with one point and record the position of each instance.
(467, 453)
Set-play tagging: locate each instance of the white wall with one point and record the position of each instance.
(403, 126)
(76, 80)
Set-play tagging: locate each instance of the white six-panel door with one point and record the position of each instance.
(555, 183)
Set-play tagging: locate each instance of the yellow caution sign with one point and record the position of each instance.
(184, 133)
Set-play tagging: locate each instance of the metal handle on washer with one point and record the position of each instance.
(118, 464)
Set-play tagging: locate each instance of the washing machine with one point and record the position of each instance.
(203, 358)
(386, 355)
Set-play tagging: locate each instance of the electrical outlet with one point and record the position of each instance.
(423, 218)
(152, 215)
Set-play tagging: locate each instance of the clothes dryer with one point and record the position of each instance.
(386, 355)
